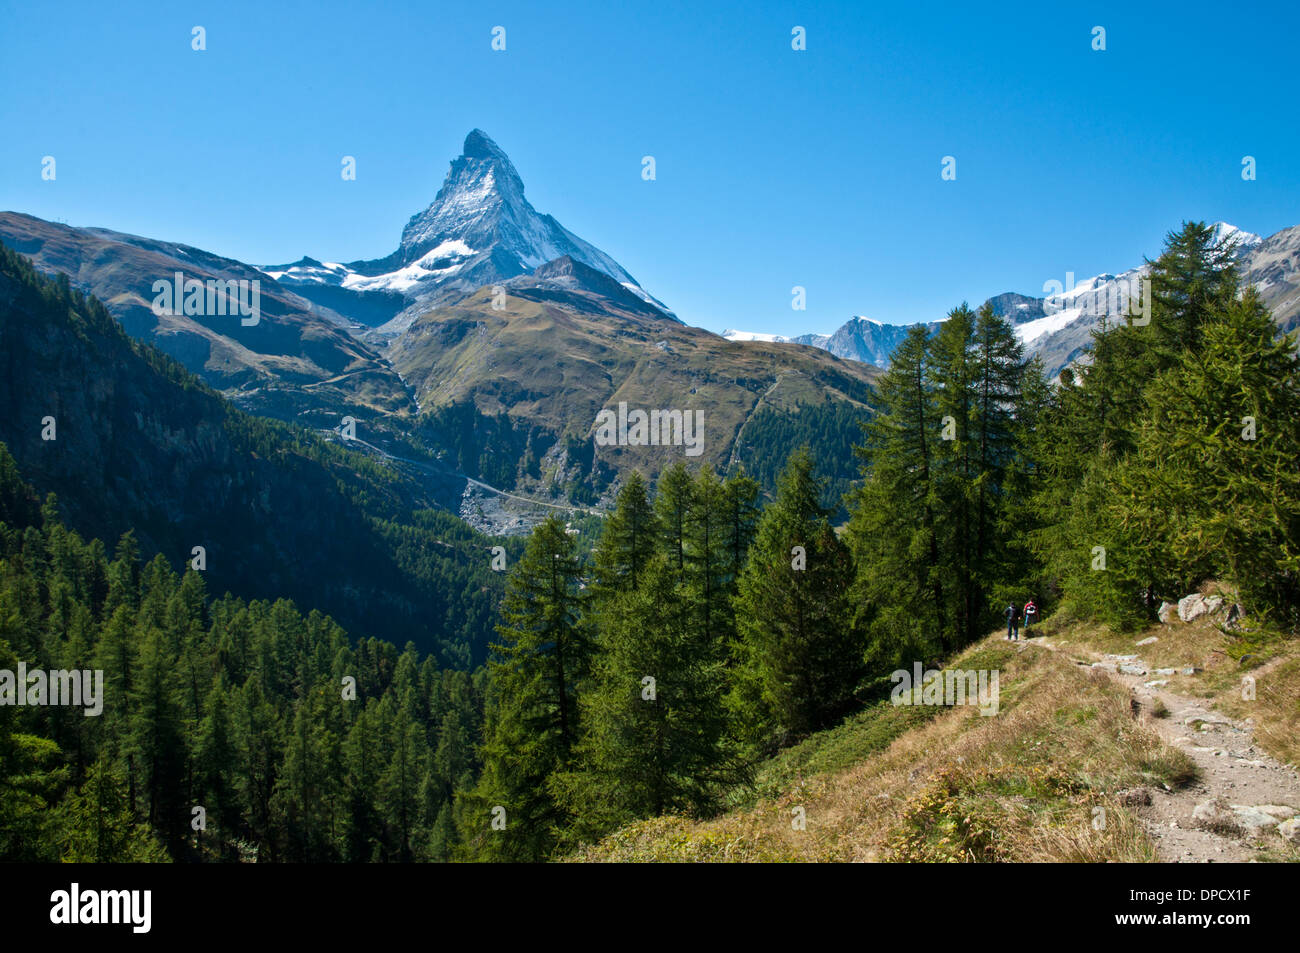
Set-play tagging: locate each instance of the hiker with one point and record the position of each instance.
(1013, 622)
(1031, 615)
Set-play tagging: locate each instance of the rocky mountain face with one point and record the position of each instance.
(1058, 327)
(479, 230)
(554, 354)
(297, 358)
(861, 339)
(478, 354)
(1273, 266)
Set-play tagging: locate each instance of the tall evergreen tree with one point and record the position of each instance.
(672, 510)
(97, 826)
(533, 721)
(954, 373)
(741, 514)
(157, 742)
(799, 657)
(1214, 487)
(655, 738)
(628, 540)
(1090, 431)
(901, 586)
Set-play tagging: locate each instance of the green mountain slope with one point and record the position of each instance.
(299, 357)
(142, 445)
(552, 365)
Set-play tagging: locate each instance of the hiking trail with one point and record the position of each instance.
(1233, 808)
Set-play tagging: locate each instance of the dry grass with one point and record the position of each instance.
(1179, 645)
(1020, 785)
(1275, 708)
(1222, 662)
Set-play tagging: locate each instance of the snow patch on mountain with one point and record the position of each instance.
(1244, 240)
(479, 230)
(1051, 323)
(1031, 331)
(733, 335)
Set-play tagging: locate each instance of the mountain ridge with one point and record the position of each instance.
(1058, 326)
(480, 229)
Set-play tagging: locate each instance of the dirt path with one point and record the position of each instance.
(1231, 811)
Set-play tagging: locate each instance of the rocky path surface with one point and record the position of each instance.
(1243, 800)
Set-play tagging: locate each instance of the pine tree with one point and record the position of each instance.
(656, 732)
(97, 827)
(741, 514)
(799, 657)
(362, 836)
(1214, 488)
(1193, 279)
(1020, 521)
(900, 591)
(533, 720)
(628, 540)
(157, 743)
(124, 575)
(706, 587)
(31, 782)
(215, 767)
(399, 799)
(259, 752)
(1090, 431)
(672, 512)
(954, 373)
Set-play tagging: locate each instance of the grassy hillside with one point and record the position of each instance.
(552, 368)
(946, 784)
(299, 358)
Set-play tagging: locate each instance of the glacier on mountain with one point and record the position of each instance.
(479, 230)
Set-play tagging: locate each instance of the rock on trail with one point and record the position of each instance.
(1244, 801)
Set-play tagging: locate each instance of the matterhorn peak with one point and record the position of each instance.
(479, 145)
(478, 230)
(484, 164)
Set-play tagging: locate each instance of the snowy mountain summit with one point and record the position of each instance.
(1058, 326)
(479, 230)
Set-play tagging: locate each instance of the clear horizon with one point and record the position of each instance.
(775, 168)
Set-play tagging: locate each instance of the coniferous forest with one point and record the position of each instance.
(645, 664)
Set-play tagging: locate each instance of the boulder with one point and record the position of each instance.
(1147, 641)
(1166, 612)
(1191, 607)
(1132, 668)
(1280, 811)
(1213, 813)
(1252, 817)
(1290, 830)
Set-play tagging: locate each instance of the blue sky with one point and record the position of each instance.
(775, 168)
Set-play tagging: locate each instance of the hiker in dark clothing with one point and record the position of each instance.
(1013, 622)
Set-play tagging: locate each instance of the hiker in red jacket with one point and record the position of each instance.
(1031, 615)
